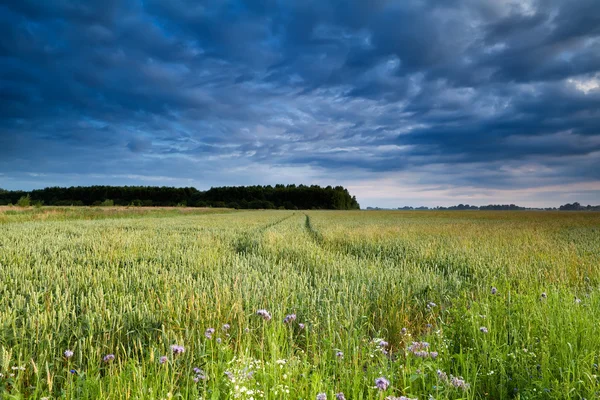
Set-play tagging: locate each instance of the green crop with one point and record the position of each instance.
(498, 304)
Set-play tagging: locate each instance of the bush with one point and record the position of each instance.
(24, 201)
(107, 203)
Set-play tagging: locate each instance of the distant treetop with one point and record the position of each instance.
(291, 197)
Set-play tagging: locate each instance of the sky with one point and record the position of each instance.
(432, 102)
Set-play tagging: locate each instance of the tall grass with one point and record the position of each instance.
(133, 287)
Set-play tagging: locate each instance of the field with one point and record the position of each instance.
(442, 305)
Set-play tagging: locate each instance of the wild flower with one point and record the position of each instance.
(73, 372)
(399, 398)
(177, 349)
(289, 318)
(577, 300)
(417, 346)
(226, 327)
(483, 329)
(442, 376)
(163, 359)
(340, 396)
(494, 290)
(209, 332)
(431, 304)
(264, 314)
(200, 375)
(383, 343)
(322, 396)
(68, 354)
(433, 354)
(108, 358)
(301, 325)
(544, 295)
(382, 383)
(459, 383)
(219, 340)
(404, 331)
(339, 354)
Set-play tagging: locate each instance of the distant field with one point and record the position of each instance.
(443, 305)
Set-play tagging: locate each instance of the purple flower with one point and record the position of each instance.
(229, 375)
(209, 332)
(483, 329)
(219, 340)
(177, 349)
(108, 358)
(383, 343)
(382, 383)
(339, 355)
(68, 354)
(442, 376)
(404, 331)
(163, 359)
(340, 396)
(494, 290)
(289, 318)
(301, 325)
(433, 354)
(226, 327)
(264, 314)
(200, 375)
(322, 396)
(73, 372)
(459, 383)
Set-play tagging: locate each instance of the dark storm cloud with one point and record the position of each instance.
(466, 93)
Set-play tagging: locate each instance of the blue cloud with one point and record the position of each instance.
(478, 95)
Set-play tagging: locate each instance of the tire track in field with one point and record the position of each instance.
(440, 266)
(249, 242)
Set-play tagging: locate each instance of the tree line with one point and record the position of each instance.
(290, 197)
(496, 207)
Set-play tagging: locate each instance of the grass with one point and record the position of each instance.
(100, 283)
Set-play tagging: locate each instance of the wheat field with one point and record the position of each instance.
(198, 304)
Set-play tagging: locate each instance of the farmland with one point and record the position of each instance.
(163, 304)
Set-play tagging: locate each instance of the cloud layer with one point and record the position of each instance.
(405, 102)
